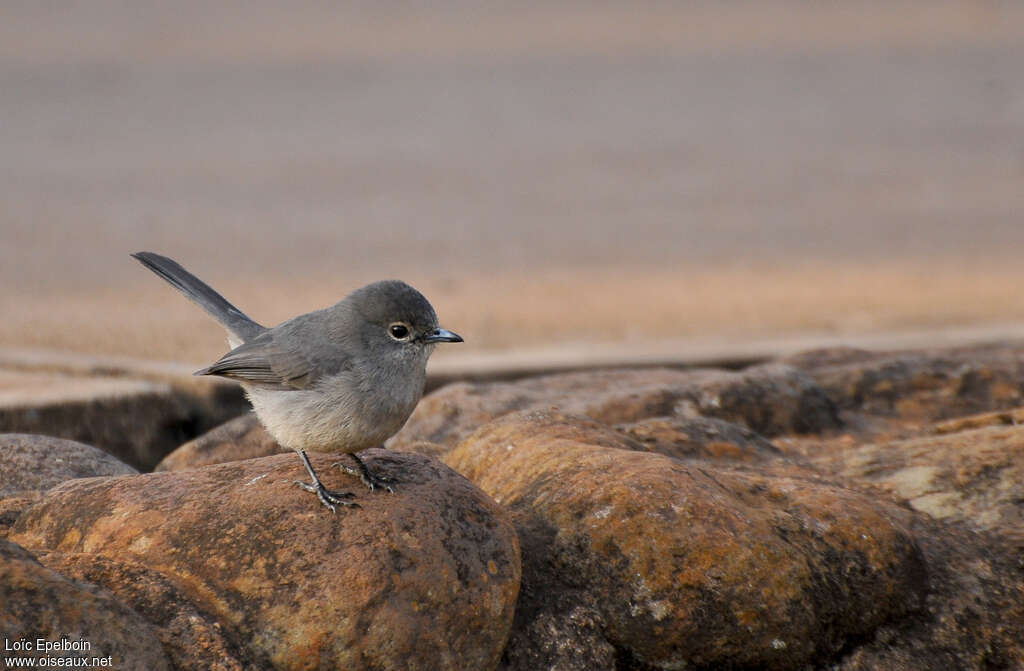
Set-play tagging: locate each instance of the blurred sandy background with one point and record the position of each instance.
(551, 172)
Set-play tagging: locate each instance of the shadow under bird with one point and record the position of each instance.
(340, 379)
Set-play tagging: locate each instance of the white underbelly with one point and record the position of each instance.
(320, 421)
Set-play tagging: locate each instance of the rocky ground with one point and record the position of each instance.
(838, 509)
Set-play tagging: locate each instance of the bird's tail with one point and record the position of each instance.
(202, 294)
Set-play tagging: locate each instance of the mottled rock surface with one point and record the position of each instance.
(40, 603)
(31, 463)
(701, 438)
(972, 616)
(673, 564)
(12, 507)
(919, 386)
(425, 578)
(841, 510)
(240, 438)
(975, 476)
(770, 399)
(191, 638)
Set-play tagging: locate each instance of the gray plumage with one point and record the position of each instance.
(340, 379)
(199, 292)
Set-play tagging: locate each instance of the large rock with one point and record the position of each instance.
(975, 476)
(425, 578)
(31, 464)
(631, 555)
(701, 438)
(771, 400)
(921, 386)
(972, 616)
(41, 604)
(12, 507)
(36, 463)
(191, 637)
(241, 438)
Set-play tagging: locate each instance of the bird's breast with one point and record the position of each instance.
(341, 413)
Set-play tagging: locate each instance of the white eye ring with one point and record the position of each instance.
(399, 331)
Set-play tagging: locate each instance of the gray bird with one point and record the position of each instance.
(340, 379)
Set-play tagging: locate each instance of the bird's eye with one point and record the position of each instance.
(399, 331)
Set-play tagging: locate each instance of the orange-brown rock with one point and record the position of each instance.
(451, 413)
(191, 638)
(553, 424)
(12, 507)
(38, 603)
(920, 386)
(633, 555)
(975, 476)
(771, 400)
(425, 578)
(972, 616)
(1010, 417)
(701, 438)
(240, 438)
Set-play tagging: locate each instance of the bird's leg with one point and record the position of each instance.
(326, 496)
(363, 473)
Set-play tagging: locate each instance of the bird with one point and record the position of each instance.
(340, 379)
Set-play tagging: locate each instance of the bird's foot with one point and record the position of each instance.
(328, 497)
(363, 473)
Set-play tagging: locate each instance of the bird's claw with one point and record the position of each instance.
(381, 481)
(327, 497)
(365, 476)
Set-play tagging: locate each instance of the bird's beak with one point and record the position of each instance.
(443, 335)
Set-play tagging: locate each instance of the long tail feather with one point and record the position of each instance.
(199, 292)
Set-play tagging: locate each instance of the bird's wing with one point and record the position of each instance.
(264, 362)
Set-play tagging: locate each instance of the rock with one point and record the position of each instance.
(137, 421)
(971, 618)
(919, 386)
(553, 424)
(245, 438)
(559, 623)
(31, 463)
(974, 476)
(39, 603)
(241, 438)
(425, 578)
(1010, 417)
(637, 556)
(432, 450)
(191, 638)
(12, 507)
(453, 412)
(701, 438)
(770, 399)
(695, 438)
